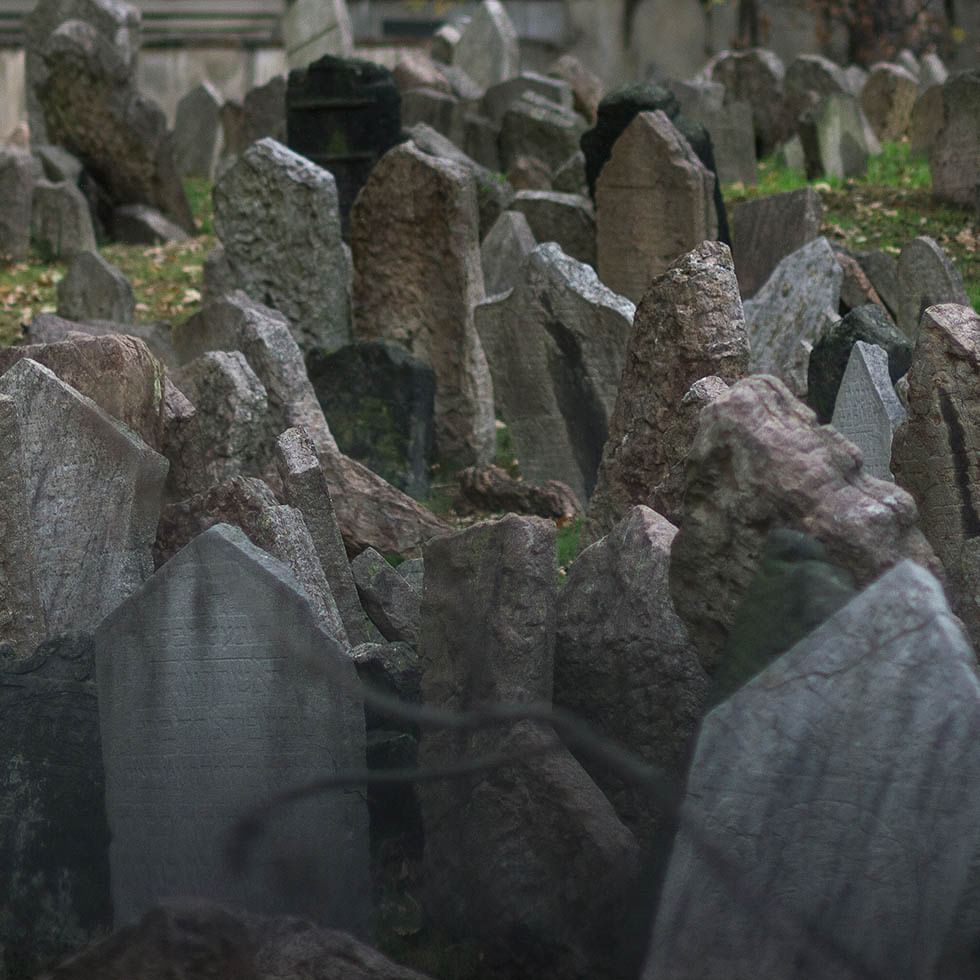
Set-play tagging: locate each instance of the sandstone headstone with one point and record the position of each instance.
(488, 49)
(791, 312)
(556, 346)
(18, 173)
(653, 204)
(954, 161)
(834, 140)
(94, 490)
(388, 599)
(867, 410)
(197, 131)
(265, 112)
(528, 860)
(503, 251)
(297, 264)
(586, 86)
(926, 277)
(536, 126)
(769, 228)
(54, 839)
(94, 289)
(790, 473)
(567, 219)
(887, 99)
(61, 225)
(139, 224)
(688, 326)
(344, 114)
(623, 659)
(856, 289)
(207, 708)
(824, 814)
(378, 401)
(417, 277)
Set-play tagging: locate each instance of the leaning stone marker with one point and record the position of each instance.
(94, 289)
(653, 204)
(503, 251)
(94, 490)
(887, 99)
(488, 49)
(297, 264)
(926, 277)
(556, 344)
(838, 792)
(207, 708)
(54, 840)
(197, 131)
(868, 411)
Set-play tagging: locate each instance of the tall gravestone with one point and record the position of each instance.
(926, 277)
(54, 839)
(654, 202)
(198, 131)
(954, 159)
(488, 49)
(94, 490)
(556, 345)
(208, 707)
(417, 277)
(343, 114)
(313, 28)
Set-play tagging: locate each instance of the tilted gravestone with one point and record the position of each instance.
(94, 490)
(809, 79)
(566, 219)
(94, 289)
(556, 345)
(208, 708)
(297, 265)
(887, 99)
(834, 140)
(343, 114)
(828, 827)
(313, 28)
(417, 277)
(19, 172)
(488, 49)
(653, 204)
(198, 131)
(926, 277)
(954, 160)
(61, 224)
(537, 127)
(503, 251)
(867, 410)
(498, 98)
(54, 839)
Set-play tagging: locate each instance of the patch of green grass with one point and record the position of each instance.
(198, 191)
(505, 456)
(437, 956)
(568, 541)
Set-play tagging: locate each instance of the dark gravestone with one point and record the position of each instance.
(619, 108)
(343, 114)
(54, 838)
(379, 403)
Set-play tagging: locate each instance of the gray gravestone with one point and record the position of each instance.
(198, 132)
(498, 98)
(503, 251)
(61, 224)
(926, 277)
(488, 49)
(867, 410)
(834, 138)
(567, 219)
(94, 490)
(207, 708)
(838, 791)
(94, 289)
(18, 173)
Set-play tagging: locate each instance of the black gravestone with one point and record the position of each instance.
(344, 114)
(54, 837)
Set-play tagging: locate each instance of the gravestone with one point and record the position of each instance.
(653, 204)
(792, 311)
(867, 410)
(698, 96)
(498, 98)
(416, 69)
(61, 225)
(760, 461)
(313, 28)
(887, 99)
(730, 129)
(94, 289)
(954, 160)
(926, 123)
(94, 490)
(536, 126)
(19, 171)
(834, 140)
(488, 49)
(503, 250)
(556, 345)
(207, 707)
(265, 112)
(232, 118)
(569, 178)
(881, 269)
(297, 265)
(417, 277)
(839, 846)
(932, 71)
(809, 79)
(378, 401)
(344, 114)
(139, 224)
(54, 840)
(566, 219)
(197, 131)
(586, 86)
(926, 277)
(440, 110)
(688, 326)
(388, 599)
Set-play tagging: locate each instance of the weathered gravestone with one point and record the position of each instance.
(887, 99)
(417, 277)
(769, 228)
(538, 127)
(835, 143)
(503, 251)
(828, 828)
(624, 661)
(932, 71)
(926, 277)
(313, 28)
(867, 411)
(809, 79)
(653, 204)
(378, 401)
(343, 114)
(265, 112)
(954, 160)
(488, 49)
(760, 461)
(388, 599)
(54, 840)
(586, 86)
(61, 224)
(19, 171)
(499, 98)
(197, 131)
(730, 129)
(297, 264)
(926, 122)
(790, 313)
(94, 490)
(689, 325)
(207, 708)
(566, 219)
(440, 110)
(139, 224)
(95, 289)
(528, 860)
(556, 345)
